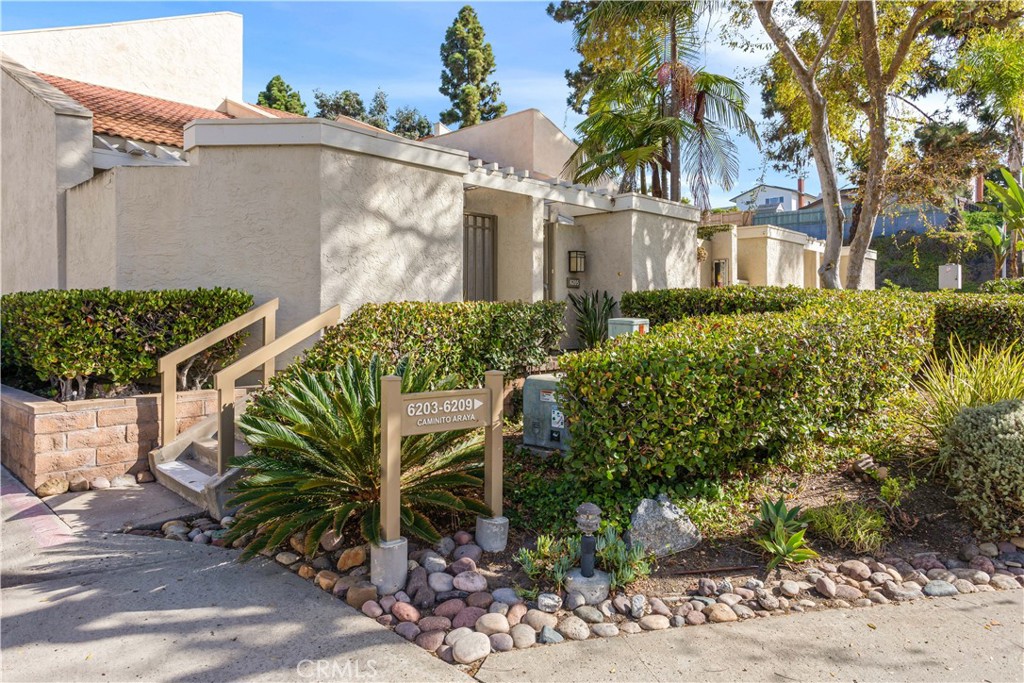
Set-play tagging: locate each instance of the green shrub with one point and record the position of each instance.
(71, 338)
(977, 319)
(1003, 286)
(662, 306)
(849, 525)
(984, 448)
(694, 399)
(967, 379)
(592, 313)
(464, 339)
(785, 547)
(315, 461)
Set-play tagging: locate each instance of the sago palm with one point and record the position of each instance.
(315, 464)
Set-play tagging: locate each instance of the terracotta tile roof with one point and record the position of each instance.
(130, 115)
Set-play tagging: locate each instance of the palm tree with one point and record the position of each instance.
(659, 113)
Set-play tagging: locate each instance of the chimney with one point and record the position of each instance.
(979, 188)
(799, 193)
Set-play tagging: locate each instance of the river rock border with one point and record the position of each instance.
(449, 608)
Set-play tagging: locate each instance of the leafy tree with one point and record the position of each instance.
(377, 114)
(339, 103)
(579, 79)
(279, 95)
(468, 62)
(853, 64)
(410, 123)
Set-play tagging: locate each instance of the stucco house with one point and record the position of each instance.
(774, 197)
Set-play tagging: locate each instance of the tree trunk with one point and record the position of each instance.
(656, 181)
(643, 179)
(675, 190)
(1014, 163)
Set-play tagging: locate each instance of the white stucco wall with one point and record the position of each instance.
(92, 233)
(195, 59)
(524, 140)
(519, 240)
(389, 232)
(756, 198)
(664, 252)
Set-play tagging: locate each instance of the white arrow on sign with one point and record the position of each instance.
(477, 403)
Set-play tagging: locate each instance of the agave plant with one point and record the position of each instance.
(784, 546)
(592, 313)
(315, 463)
(772, 513)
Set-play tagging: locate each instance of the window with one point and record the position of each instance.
(773, 201)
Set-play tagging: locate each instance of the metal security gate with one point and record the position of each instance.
(478, 257)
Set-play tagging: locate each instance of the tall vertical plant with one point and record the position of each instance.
(592, 312)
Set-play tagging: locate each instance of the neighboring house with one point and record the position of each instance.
(772, 197)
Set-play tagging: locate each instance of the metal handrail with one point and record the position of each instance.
(224, 381)
(168, 365)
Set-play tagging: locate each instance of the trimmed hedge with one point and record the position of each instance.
(978, 319)
(69, 338)
(1003, 286)
(694, 399)
(662, 306)
(985, 451)
(464, 339)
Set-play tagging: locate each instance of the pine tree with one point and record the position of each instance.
(468, 62)
(410, 123)
(279, 95)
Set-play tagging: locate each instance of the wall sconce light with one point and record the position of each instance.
(577, 261)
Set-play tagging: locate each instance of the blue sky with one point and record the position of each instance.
(363, 45)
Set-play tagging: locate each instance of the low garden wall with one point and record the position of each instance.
(42, 439)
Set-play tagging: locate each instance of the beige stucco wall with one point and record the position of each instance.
(867, 275)
(664, 252)
(770, 256)
(389, 231)
(723, 246)
(195, 59)
(237, 217)
(524, 140)
(45, 148)
(519, 241)
(92, 233)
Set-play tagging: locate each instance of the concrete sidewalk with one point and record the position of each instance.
(978, 637)
(80, 606)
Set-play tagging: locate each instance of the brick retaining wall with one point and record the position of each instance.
(42, 439)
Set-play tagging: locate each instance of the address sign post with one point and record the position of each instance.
(424, 413)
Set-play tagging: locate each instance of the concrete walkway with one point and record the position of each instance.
(82, 606)
(88, 606)
(978, 637)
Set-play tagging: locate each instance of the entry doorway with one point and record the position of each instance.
(479, 249)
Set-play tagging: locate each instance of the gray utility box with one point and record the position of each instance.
(543, 420)
(617, 326)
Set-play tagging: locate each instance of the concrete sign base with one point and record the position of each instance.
(492, 533)
(389, 565)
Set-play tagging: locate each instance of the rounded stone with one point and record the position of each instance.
(574, 628)
(386, 620)
(286, 558)
(638, 606)
(573, 600)
(492, 623)
(467, 617)
(695, 618)
(939, 588)
(506, 595)
(469, 551)
(523, 636)
(449, 608)
(481, 599)
(629, 627)
(473, 647)
(456, 635)
(1004, 583)
(462, 537)
(371, 609)
(549, 636)
(676, 621)
(434, 623)
(729, 599)
(501, 642)
(470, 581)
(848, 593)
(433, 562)
(463, 565)
(516, 613)
(498, 608)
(548, 602)
(538, 620)
(964, 586)
(403, 611)
(790, 588)
(719, 613)
(430, 640)
(604, 630)
(743, 612)
(407, 630)
(827, 586)
(654, 622)
(989, 549)
(589, 614)
(855, 569)
(440, 582)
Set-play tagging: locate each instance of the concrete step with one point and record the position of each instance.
(186, 477)
(205, 450)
